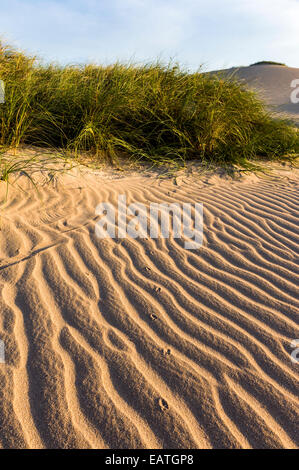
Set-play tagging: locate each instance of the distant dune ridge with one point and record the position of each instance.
(140, 343)
(273, 83)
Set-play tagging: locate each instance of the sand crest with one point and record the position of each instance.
(275, 84)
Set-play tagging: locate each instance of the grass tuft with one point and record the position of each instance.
(152, 112)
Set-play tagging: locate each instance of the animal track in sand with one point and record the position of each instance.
(163, 404)
(166, 352)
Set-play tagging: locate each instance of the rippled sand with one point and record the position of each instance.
(142, 343)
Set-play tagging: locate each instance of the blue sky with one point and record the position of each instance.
(216, 33)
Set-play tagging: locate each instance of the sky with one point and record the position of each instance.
(214, 34)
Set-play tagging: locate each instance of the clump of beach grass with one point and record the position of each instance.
(38, 166)
(155, 112)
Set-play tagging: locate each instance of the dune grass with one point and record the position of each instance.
(152, 112)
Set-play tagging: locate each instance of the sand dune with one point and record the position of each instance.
(124, 343)
(273, 83)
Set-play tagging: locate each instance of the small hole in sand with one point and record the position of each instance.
(166, 352)
(163, 404)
